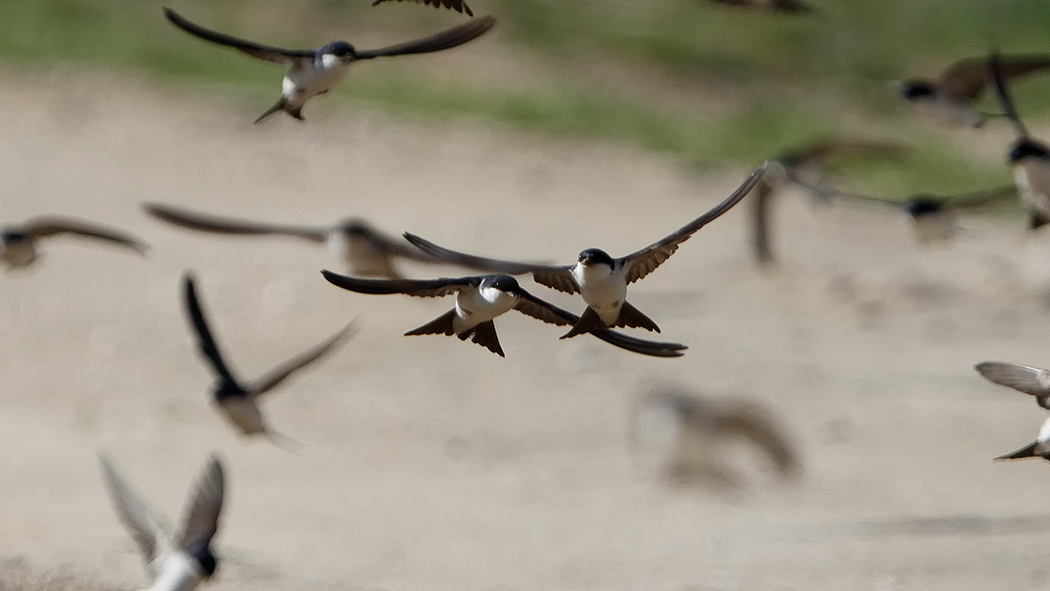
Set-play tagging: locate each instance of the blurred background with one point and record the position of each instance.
(832, 434)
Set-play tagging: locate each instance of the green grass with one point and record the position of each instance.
(790, 78)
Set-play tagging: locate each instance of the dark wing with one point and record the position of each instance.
(967, 78)
(559, 278)
(982, 198)
(446, 39)
(1023, 378)
(49, 226)
(791, 6)
(751, 421)
(457, 5)
(263, 52)
(201, 516)
(819, 151)
(760, 214)
(995, 70)
(205, 341)
(551, 314)
(146, 527)
(223, 225)
(279, 374)
(641, 263)
(398, 247)
(420, 288)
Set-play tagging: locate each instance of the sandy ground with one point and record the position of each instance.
(433, 464)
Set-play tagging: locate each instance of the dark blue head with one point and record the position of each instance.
(9, 235)
(923, 205)
(1026, 148)
(340, 49)
(594, 256)
(208, 562)
(913, 89)
(355, 227)
(504, 283)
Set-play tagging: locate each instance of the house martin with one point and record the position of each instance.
(935, 218)
(599, 278)
(949, 100)
(365, 250)
(180, 562)
(313, 72)
(1029, 157)
(479, 300)
(18, 242)
(806, 167)
(238, 400)
(457, 5)
(793, 6)
(694, 433)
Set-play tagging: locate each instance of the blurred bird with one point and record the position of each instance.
(175, 563)
(457, 5)
(806, 167)
(698, 431)
(935, 218)
(1029, 157)
(365, 250)
(313, 72)
(18, 242)
(949, 100)
(599, 278)
(481, 299)
(237, 400)
(794, 6)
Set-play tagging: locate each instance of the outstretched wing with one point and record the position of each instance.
(279, 374)
(264, 52)
(146, 527)
(995, 70)
(457, 5)
(201, 516)
(223, 225)
(559, 278)
(1023, 378)
(51, 225)
(205, 341)
(967, 78)
(645, 261)
(446, 39)
(420, 288)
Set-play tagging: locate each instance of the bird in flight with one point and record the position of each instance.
(480, 300)
(18, 242)
(313, 72)
(948, 101)
(175, 562)
(237, 400)
(1029, 380)
(457, 5)
(599, 278)
(365, 250)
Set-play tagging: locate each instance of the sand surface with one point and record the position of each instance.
(431, 464)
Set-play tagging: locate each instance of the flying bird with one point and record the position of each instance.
(480, 300)
(1029, 157)
(175, 562)
(18, 242)
(599, 278)
(695, 433)
(935, 218)
(313, 72)
(457, 5)
(948, 101)
(806, 167)
(792, 6)
(365, 250)
(237, 400)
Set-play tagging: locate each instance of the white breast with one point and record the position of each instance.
(948, 112)
(936, 227)
(244, 414)
(301, 85)
(1033, 179)
(603, 289)
(178, 572)
(474, 306)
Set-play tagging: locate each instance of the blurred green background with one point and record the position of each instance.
(704, 83)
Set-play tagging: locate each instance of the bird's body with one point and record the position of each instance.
(313, 72)
(482, 304)
(18, 243)
(603, 286)
(947, 110)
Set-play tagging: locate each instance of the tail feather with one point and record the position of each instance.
(1024, 452)
(589, 321)
(484, 334)
(440, 325)
(282, 105)
(1037, 220)
(632, 317)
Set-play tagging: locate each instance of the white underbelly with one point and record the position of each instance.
(605, 295)
(1033, 181)
(300, 86)
(244, 414)
(178, 572)
(936, 227)
(948, 112)
(473, 308)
